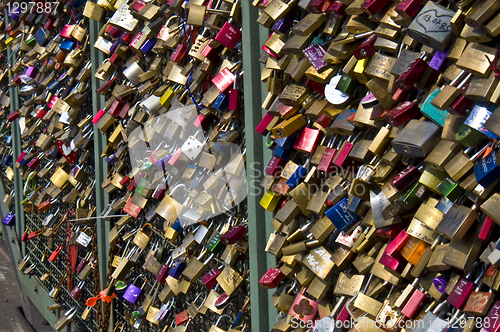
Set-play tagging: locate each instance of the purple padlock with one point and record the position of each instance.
(315, 54)
(31, 71)
(437, 60)
(15, 12)
(132, 292)
(441, 282)
(176, 269)
(8, 219)
(283, 25)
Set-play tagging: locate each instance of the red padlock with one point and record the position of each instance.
(319, 6)
(12, 116)
(402, 113)
(181, 318)
(275, 166)
(366, 49)
(337, 9)
(77, 290)
(308, 140)
(412, 73)
(406, 177)
(371, 7)
(272, 278)
(210, 278)
(408, 8)
(24, 237)
(162, 274)
(234, 234)
(179, 53)
(265, 123)
(84, 261)
(228, 36)
(46, 205)
(325, 164)
(397, 243)
(55, 253)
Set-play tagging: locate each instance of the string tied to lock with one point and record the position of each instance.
(494, 63)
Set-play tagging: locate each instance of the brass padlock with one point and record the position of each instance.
(141, 239)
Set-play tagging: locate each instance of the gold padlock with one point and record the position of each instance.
(141, 239)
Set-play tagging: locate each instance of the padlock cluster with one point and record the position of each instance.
(172, 122)
(51, 137)
(170, 118)
(382, 121)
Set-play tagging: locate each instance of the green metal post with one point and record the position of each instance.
(262, 310)
(102, 198)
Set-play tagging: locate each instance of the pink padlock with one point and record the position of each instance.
(397, 243)
(304, 308)
(464, 287)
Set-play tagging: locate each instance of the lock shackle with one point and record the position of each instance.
(208, 259)
(137, 277)
(439, 310)
(204, 299)
(222, 316)
(150, 226)
(475, 268)
(87, 229)
(176, 187)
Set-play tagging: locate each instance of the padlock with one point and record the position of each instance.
(133, 292)
(464, 287)
(55, 253)
(141, 239)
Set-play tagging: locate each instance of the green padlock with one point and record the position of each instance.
(215, 245)
(413, 195)
(347, 84)
(450, 189)
(467, 136)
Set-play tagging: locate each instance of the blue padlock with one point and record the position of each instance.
(478, 116)
(221, 102)
(67, 45)
(287, 142)
(15, 11)
(298, 175)
(115, 45)
(282, 153)
(111, 158)
(487, 170)
(176, 269)
(200, 175)
(176, 226)
(7, 160)
(340, 215)
(148, 46)
(77, 3)
(40, 37)
(52, 87)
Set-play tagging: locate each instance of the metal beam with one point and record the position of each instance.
(100, 167)
(257, 220)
